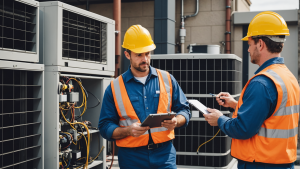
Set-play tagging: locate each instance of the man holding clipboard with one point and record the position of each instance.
(131, 97)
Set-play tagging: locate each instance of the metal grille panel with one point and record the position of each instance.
(84, 39)
(198, 77)
(17, 26)
(203, 76)
(20, 120)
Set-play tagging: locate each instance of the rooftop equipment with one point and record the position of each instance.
(198, 75)
(73, 37)
(19, 30)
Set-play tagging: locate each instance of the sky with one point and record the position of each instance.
(262, 5)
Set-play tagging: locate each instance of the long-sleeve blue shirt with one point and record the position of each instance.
(259, 103)
(144, 99)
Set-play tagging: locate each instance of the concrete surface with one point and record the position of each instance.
(116, 165)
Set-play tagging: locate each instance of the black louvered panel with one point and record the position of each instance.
(204, 76)
(19, 119)
(84, 39)
(17, 26)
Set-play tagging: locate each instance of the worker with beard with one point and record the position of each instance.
(131, 97)
(264, 125)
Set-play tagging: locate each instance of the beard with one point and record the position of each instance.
(142, 67)
(255, 56)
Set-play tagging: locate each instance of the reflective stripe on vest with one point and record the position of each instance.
(282, 111)
(168, 88)
(278, 133)
(276, 140)
(128, 115)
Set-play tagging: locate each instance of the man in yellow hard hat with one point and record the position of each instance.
(264, 125)
(131, 97)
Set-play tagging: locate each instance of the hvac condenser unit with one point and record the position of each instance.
(21, 115)
(76, 38)
(59, 153)
(19, 30)
(198, 75)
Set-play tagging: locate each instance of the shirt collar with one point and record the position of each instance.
(128, 74)
(276, 60)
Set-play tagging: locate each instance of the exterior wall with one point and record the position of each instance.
(132, 13)
(207, 28)
(242, 6)
(143, 14)
(237, 30)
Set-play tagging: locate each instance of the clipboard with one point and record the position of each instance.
(198, 105)
(154, 120)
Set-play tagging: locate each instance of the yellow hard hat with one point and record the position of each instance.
(267, 23)
(138, 40)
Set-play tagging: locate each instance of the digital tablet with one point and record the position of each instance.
(199, 106)
(154, 120)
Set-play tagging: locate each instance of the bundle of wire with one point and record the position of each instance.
(84, 95)
(86, 141)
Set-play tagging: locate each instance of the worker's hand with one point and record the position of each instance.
(213, 116)
(226, 100)
(170, 124)
(135, 130)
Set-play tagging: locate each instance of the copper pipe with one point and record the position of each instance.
(228, 26)
(117, 18)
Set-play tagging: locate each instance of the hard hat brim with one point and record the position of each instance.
(245, 38)
(144, 49)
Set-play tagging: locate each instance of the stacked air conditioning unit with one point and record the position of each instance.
(198, 75)
(77, 48)
(21, 86)
(19, 30)
(77, 39)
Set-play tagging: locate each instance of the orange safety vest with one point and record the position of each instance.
(128, 116)
(276, 140)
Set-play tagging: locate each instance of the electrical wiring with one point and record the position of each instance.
(96, 98)
(84, 100)
(93, 158)
(88, 133)
(208, 140)
(65, 161)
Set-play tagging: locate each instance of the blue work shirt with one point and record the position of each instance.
(144, 99)
(259, 103)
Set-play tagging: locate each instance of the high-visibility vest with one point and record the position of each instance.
(128, 116)
(276, 140)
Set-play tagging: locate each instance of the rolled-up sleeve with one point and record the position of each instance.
(109, 118)
(179, 102)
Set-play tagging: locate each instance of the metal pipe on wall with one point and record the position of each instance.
(117, 18)
(87, 5)
(182, 32)
(228, 27)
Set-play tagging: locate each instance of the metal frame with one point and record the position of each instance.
(94, 84)
(198, 75)
(51, 20)
(29, 92)
(23, 55)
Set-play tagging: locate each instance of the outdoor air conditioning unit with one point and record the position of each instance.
(19, 30)
(76, 38)
(21, 115)
(198, 75)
